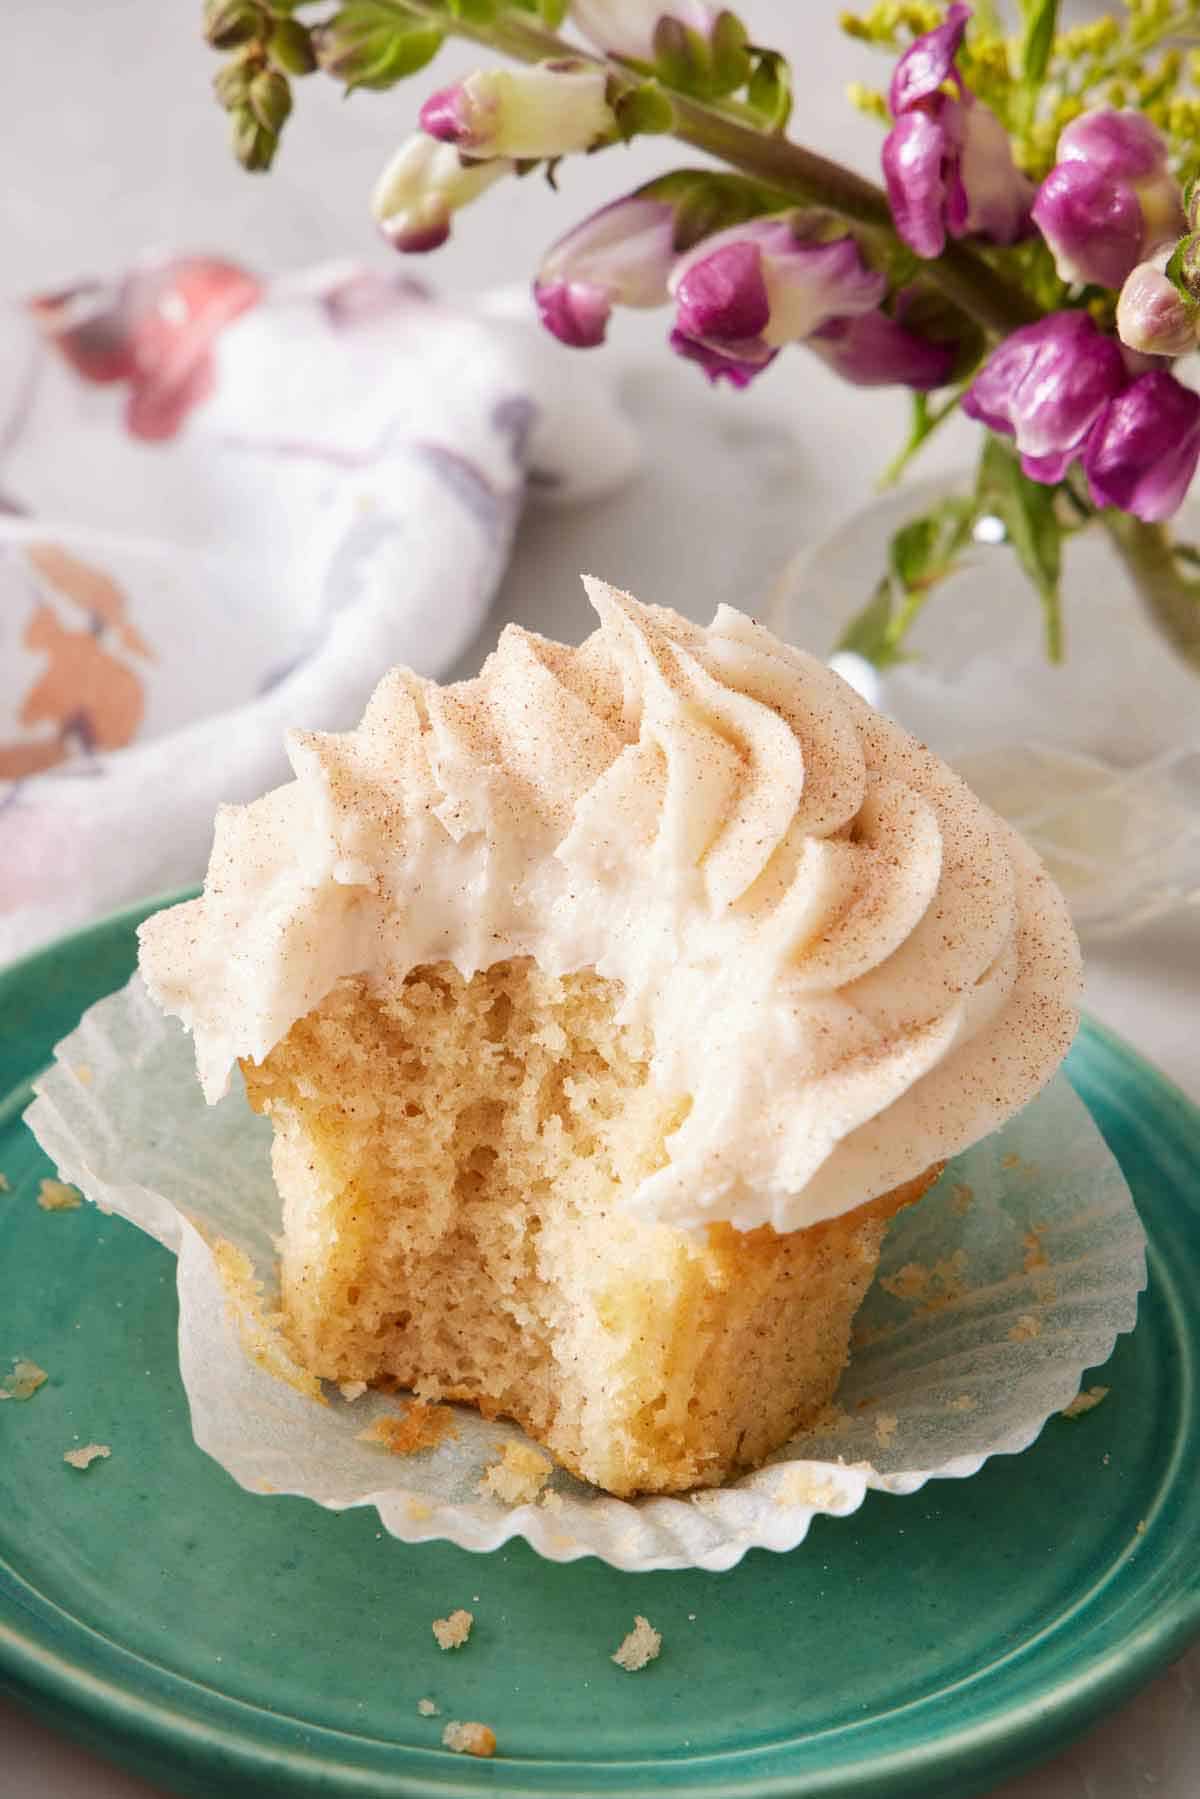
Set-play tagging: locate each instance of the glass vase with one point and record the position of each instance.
(1095, 759)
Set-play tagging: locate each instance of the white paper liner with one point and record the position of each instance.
(1018, 1272)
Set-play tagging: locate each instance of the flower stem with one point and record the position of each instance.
(807, 178)
(1171, 599)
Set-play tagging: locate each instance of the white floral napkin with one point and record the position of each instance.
(226, 507)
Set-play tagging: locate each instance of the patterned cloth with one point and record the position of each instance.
(226, 507)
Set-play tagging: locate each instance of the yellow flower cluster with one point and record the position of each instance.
(1124, 59)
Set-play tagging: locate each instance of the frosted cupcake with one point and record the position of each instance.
(605, 1008)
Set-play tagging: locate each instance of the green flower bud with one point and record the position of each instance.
(270, 100)
(290, 47)
(231, 83)
(252, 145)
(228, 23)
(366, 45)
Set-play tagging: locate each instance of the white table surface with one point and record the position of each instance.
(113, 144)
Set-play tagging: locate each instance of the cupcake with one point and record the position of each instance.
(605, 1008)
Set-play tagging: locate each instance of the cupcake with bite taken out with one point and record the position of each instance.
(605, 1008)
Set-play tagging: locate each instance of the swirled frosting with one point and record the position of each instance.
(849, 965)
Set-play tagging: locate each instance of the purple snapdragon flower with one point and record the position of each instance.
(1110, 200)
(947, 161)
(1143, 450)
(1046, 387)
(878, 349)
(620, 256)
(1153, 315)
(743, 293)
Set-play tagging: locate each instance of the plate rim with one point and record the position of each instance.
(150, 1731)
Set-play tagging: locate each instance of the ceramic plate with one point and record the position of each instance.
(923, 1648)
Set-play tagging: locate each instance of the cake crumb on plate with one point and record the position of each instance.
(642, 1645)
(352, 1389)
(469, 1739)
(418, 1426)
(57, 1196)
(91, 1452)
(428, 1709)
(1086, 1400)
(24, 1381)
(452, 1632)
(1026, 1328)
(519, 1477)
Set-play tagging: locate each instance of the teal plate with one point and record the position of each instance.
(922, 1648)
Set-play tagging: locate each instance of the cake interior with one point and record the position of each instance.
(452, 1155)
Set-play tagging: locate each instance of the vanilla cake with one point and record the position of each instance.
(605, 1008)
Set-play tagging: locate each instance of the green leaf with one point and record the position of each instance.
(553, 12)
(770, 90)
(868, 633)
(910, 551)
(474, 12)
(1040, 20)
(1027, 510)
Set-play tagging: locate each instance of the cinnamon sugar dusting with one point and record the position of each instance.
(849, 967)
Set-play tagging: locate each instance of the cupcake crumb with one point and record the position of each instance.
(91, 1452)
(418, 1426)
(1086, 1400)
(642, 1645)
(452, 1632)
(24, 1381)
(962, 1198)
(352, 1389)
(551, 1501)
(419, 1510)
(57, 1196)
(1011, 1160)
(83, 1074)
(964, 1403)
(1026, 1328)
(1141, 1528)
(799, 1487)
(518, 1477)
(469, 1739)
(1035, 1255)
(908, 1282)
(428, 1709)
(5, 1184)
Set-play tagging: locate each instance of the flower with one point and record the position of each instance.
(1153, 315)
(551, 110)
(626, 27)
(155, 330)
(878, 350)
(1110, 199)
(620, 256)
(947, 161)
(422, 185)
(1143, 451)
(1046, 386)
(743, 293)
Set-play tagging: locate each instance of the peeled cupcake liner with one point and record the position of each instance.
(1011, 1278)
